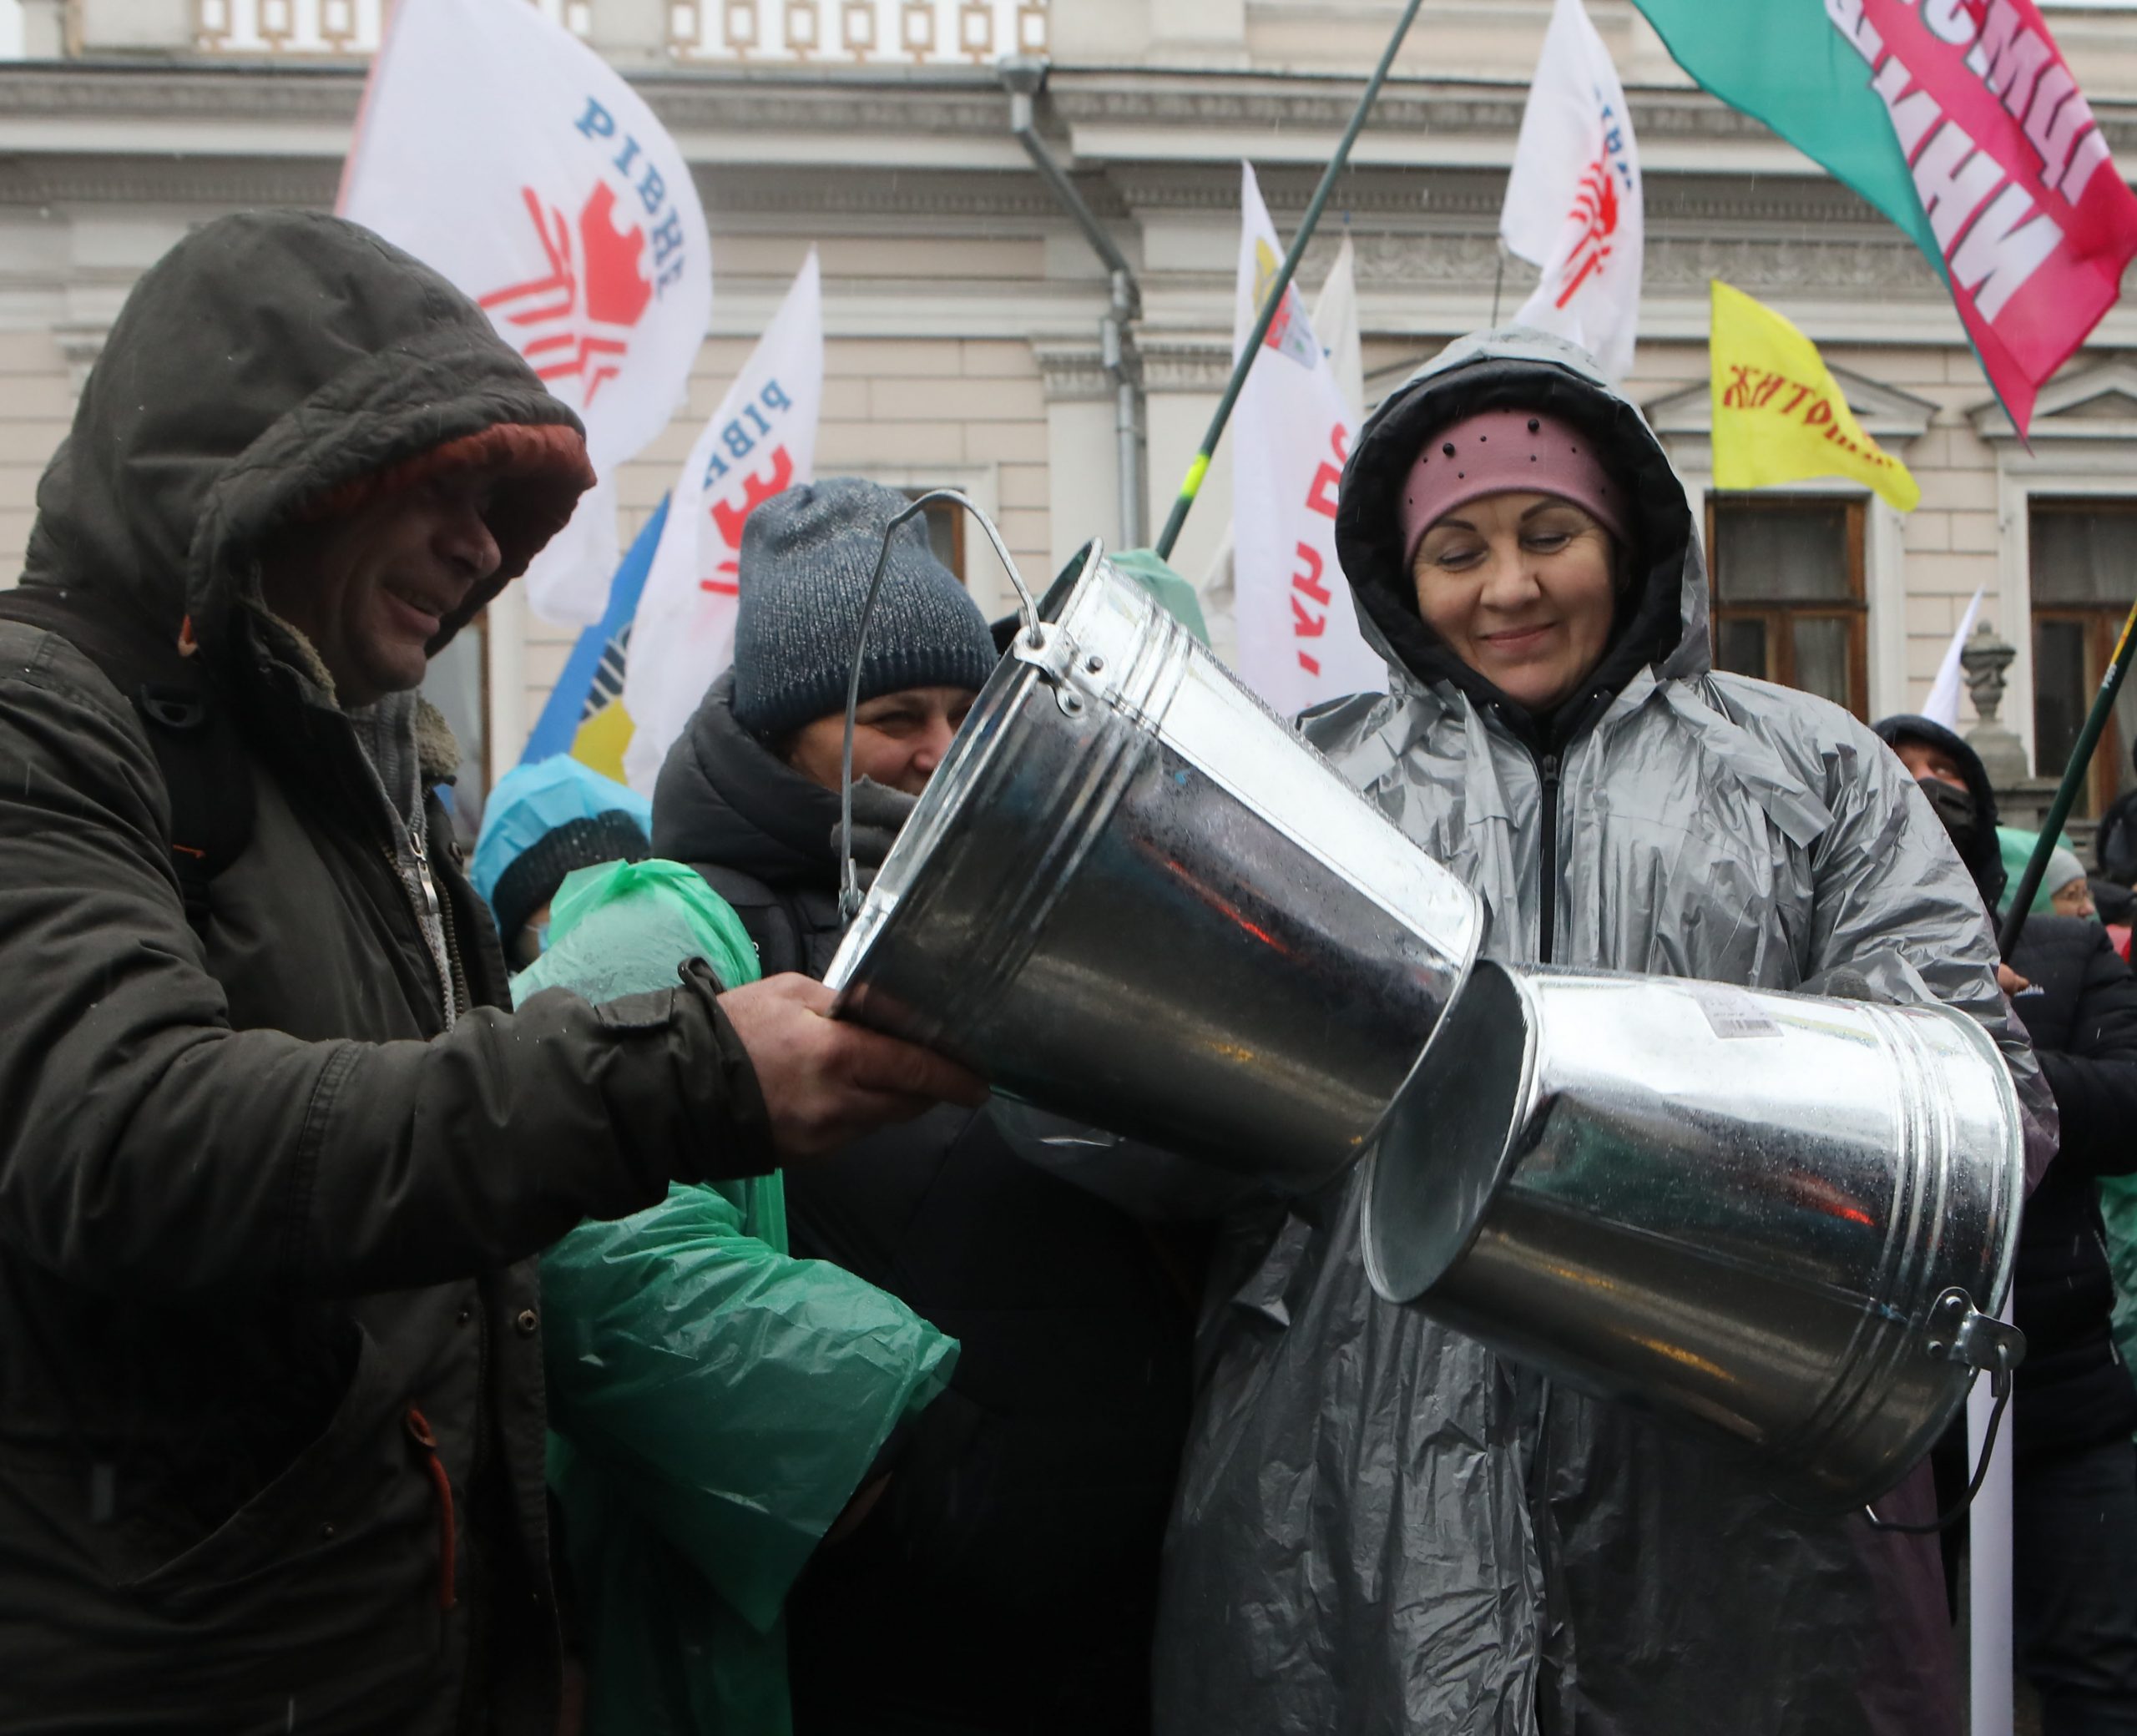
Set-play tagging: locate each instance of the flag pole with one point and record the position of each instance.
(1192, 485)
(2066, 794)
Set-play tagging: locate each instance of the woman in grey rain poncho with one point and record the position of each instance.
(1381, 1527)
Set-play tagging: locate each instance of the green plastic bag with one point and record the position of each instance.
(630, 923)
(715, 1401)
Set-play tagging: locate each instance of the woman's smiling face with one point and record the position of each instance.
(1520, 587)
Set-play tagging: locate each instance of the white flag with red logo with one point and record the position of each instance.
(504, 152)
(1573, 203)
(1298, 635)
(761, 439)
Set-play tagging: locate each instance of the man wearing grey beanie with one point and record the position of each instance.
(1004, 1576)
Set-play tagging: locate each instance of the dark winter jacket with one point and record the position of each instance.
(2081, 1013)
(2081, 1010)
(1007, 1580)
(264, 1222)
(2114, 845)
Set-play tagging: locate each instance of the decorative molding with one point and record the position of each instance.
(1884, 411)
(2096, 403)
(1074, 374)
(98, 179)
(1230, 101)
(926, 101)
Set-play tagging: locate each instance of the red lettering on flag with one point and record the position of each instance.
(728, 517)
(2005, 154)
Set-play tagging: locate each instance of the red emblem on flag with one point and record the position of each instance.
(1595, 210)
(581, 315)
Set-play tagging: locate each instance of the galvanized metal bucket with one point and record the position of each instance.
(1133, 896)
(1783, 1219)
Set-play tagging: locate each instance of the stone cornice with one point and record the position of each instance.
(926, 101)
(1230, 101)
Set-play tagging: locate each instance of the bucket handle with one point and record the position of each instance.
(1980, 1341)
(1032, 633)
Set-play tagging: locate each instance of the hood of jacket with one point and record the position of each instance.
(269, 362)
(1984, 859)
(1662, 619)
(725, 799)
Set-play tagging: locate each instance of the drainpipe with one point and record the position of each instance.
(1024, 78)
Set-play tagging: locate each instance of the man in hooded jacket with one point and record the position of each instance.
(1382, 1527)
(272, 1160)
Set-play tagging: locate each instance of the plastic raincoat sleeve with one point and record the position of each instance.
(734, 1396)
(737, 1396)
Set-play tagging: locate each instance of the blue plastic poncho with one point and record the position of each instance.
(715, 1401)
(531, 801)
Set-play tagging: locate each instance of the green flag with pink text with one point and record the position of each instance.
(1959, 120)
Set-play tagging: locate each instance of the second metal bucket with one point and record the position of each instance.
(1783, 1219)
(1131, 894)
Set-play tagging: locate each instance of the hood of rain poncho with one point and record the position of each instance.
(1380, 1526)
(531, 801)
(1661, 619)
(2018, 845)
(1985, 861)
(616, 927)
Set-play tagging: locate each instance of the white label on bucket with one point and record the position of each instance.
(1731, 1012)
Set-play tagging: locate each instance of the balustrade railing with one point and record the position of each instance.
(736, 31)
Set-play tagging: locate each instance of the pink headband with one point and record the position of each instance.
(1497, 452)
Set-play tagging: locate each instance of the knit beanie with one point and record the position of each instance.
(537, 871)
(807, 555)
(545, 819)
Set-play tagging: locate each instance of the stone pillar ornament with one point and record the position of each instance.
(1985, 657)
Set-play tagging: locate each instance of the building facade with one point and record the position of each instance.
(963, 305)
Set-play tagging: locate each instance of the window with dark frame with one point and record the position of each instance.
(2082, 556)
(1787, 595)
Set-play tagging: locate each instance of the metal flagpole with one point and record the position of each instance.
(2066, 796)
(1200, 468)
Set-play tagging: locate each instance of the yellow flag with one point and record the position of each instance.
(1778, 415)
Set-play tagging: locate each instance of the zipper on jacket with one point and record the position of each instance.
(1547, 913)
(423, 870)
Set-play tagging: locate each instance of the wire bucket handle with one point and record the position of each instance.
(1982, 1342)
(1032, 633)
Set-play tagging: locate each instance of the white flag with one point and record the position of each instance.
(761, 439)
(1298, 637)
(1336, 320)
(504, 152)
(1573, 203)
(1942, 704)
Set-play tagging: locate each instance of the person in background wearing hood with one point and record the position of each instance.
(1006, 1580)
(2064, 890)
(2114, 845)
(544, 821)
(1382, 1526)
(274, 1157)
(2074, 1482)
